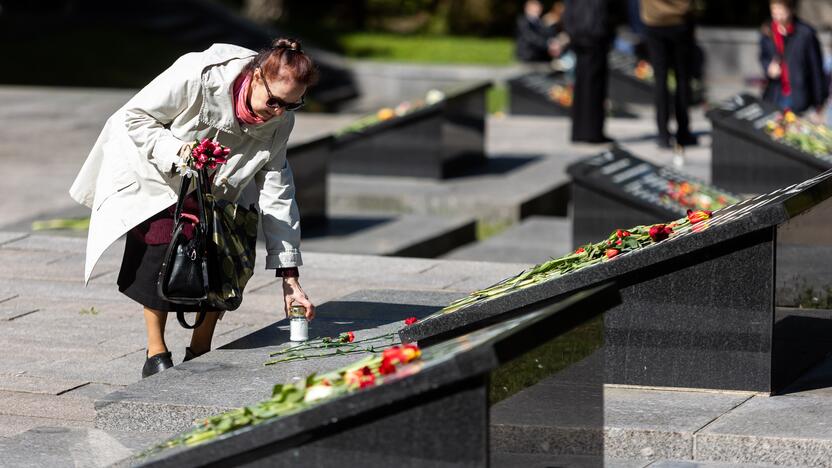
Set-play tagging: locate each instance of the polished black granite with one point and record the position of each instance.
(529, 94)
(745, 159)
(436, 141)
(433, 412)
(617, 189)
(309, 161)
(699, 310)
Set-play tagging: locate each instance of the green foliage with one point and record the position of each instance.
(428, 49)
(497, 99)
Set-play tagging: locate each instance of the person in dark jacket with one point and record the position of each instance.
(590, 28)
(669, 31)
(791, 58)
(532, 43)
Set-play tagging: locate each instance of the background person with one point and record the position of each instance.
(243, 98)
(791, 59)
(589, 25)
(669, 29)
(532, 41)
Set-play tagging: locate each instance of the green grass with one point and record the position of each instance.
(497, 99)
(428, 49)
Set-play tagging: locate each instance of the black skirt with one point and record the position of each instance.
(140, 272)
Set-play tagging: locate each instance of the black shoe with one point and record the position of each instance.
(156, 363)
(603, 139)
(686, 139)
(189, 354)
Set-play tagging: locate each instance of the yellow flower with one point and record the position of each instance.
(789, 117)
(385, 114)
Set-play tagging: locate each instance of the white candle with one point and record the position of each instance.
(298, 329)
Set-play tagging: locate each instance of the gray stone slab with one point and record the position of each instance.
(48, 243)
(171, 400)
(72, 447)
(533, 240)
(537, 460)
(778, 430)
(32, 384)
(702, 464)
(638, 424)
(46, 406)
(407, 235)
(9, 237)
(11, 425)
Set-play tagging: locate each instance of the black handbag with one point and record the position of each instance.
(212, 267)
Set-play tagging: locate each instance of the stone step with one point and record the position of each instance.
(403, 236)
(534, 240)
(61, 447)
(235, 375)
(671, 428)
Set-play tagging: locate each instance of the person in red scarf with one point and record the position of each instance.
(790, 56)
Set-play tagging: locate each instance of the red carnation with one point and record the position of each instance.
(410, 321)
(610, 253)
(660, 232)
(621, 233)
(580, 250)
(386, 367)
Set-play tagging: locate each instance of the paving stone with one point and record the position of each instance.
(31, 384)
(537, 460)
(48, 243)
(72, 447)
(93, 391)
(9, 236)
(698, 464)
(46, 406)
(12, 425)
(784, 429)
(638, 424)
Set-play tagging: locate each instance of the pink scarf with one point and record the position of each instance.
(241, 95)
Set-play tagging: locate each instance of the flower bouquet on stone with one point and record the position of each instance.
(206, 153)
(343, 344)
(619, 242)
(315, 389)
(800, 133)
(386, 113)
(694, 196)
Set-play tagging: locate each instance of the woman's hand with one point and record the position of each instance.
(293, 294)
(774, 70)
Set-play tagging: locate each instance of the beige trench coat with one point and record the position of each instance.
(128, 176)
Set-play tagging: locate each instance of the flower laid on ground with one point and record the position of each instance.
(561, 94)
(697, 196)
(386, 113)
(344, 343)
(619, 242)
(800, 133)
(314, 390)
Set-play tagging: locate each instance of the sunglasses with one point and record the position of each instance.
(275, 102)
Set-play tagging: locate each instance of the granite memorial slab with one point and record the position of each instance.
(309, 161)
(617, 189)
(431, 140)
(548, 94)
(705, 308)
(746, 159)
(631, 81)
(430, 412)
(538, 93)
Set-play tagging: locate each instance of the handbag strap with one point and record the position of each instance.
(200, 317)
(201, 187)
